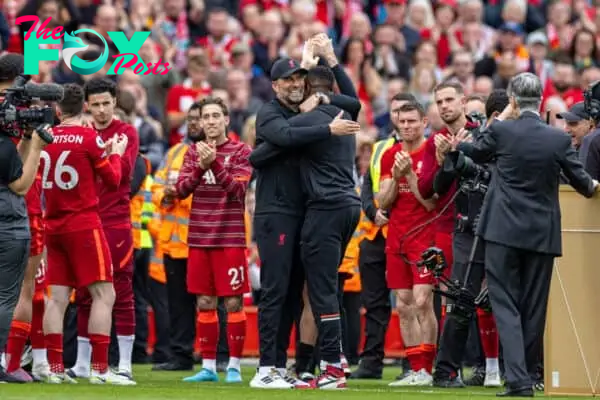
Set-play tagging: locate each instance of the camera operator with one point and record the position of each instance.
(589, 149)
(472, 183)
(18, 168)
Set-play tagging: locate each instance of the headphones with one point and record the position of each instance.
(591, 105)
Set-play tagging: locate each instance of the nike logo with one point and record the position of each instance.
(120, 244)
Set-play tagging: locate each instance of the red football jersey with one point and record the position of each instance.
(33, 198)
(406, 211)
(217, 217)
(70, 166)
(115, 206)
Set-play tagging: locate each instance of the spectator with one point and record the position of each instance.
(181, 97)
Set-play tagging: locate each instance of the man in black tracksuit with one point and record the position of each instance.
(279, 215)
(332, 213)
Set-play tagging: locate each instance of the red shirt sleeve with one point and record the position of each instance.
(189, 174)
(429, 169)
(107, 167)
(172, 103)
(236, 180)
(387, 162)
(133, 148)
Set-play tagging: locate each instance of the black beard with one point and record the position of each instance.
(196, 136)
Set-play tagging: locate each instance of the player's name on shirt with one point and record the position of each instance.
(68, 138)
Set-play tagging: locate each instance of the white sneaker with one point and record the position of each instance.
(272, 380)
(423, 378)
(78, 372)
(58, 379)
(110, 378)
(408, 380)
(41, 371)
(345, 366)
(332, 378)
(307, 377)
(492, 379)
(295, 382)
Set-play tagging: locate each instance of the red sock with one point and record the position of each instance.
(236, 333)
(208, 329)
(54, 344)
(100, 345)
(17, 337)
(488, 333)
(428, 356)
(37, 325)
(414, 355)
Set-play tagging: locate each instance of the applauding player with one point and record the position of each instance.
(78, 255)
(216, 171)
(115, 213)
(401, 166)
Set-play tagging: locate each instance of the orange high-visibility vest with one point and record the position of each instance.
(350, 262)
(175, 217)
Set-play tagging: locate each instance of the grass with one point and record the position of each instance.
(166, 385)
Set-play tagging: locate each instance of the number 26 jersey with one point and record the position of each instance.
(70, 167)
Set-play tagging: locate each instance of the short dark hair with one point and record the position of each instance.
(404, 97)
(72, 102)
(212, 100)
(412, 106)
(321, 77)
(126, 101)
(11, 66)
(475, 97)
(496, 102)
(450, 84)
(218, 10)
(562, 58)
(99, 85)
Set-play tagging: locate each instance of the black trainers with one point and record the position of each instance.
(477, 379)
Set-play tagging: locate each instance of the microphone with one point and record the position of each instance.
(44, 92)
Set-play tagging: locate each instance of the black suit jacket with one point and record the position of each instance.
(521, 209)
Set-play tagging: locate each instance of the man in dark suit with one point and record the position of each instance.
(521, 223)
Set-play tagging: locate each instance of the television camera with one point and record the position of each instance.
(591, 101)
(474, 180)
(17, 113)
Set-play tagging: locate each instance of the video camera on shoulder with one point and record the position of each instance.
(17, 113)
(475, 175)
(591, 101)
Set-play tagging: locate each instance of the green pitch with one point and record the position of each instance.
(168, 385)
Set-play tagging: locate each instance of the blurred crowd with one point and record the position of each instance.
(226, 47)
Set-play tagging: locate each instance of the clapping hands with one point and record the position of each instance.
(207, 153)
(402, 165)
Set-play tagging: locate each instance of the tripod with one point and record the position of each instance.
(465, 302)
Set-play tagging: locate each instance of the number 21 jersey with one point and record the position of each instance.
(70, 166)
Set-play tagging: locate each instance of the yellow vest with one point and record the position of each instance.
(142, 209)
(173, 232)
(379, 149)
